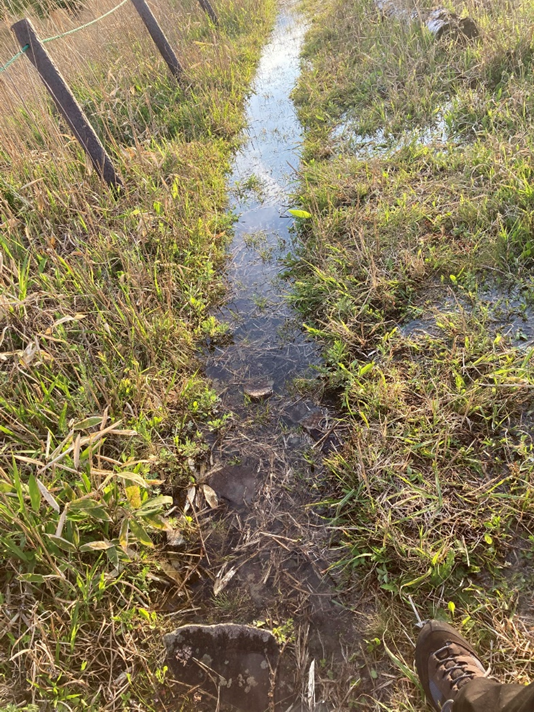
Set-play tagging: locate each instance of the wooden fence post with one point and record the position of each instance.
(65, 101)
(158, 36)
(208, 8)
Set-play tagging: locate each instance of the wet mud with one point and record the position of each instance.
(266, 550)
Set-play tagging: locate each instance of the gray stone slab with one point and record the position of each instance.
(234, 663)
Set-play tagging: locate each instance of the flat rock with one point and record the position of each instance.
(234, 663)
(235, 483)
(258, 390)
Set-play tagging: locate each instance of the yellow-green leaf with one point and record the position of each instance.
(140, 533)
(96, 546)
(88, 422)
(301, 214)
(365, 369)
(35, 493)
(133, 477)
(98, 513)
(123, 534)
(156, 521)
(155, 504)
(133, 494)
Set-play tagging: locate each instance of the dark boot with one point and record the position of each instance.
(445, 663)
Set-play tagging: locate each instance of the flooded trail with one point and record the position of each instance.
(267, 551)
(268, 344)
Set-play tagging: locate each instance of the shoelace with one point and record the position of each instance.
(451, 657)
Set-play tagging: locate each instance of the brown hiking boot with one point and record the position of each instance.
(445, 662)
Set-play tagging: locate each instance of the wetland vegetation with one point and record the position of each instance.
(415, 272)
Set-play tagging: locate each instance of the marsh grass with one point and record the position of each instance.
(434, 486)
(103, 301)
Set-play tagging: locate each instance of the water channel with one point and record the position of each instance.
(267, 548)
(268, 344)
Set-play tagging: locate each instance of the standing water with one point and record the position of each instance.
(266, 549)
(268, 346)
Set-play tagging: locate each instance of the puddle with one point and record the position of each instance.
(505, 311)
(264, 542)
(267, 341)
(348, 139)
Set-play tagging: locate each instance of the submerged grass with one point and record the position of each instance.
(102, 302)
(415, 270)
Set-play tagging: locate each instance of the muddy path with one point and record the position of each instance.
(267, 547)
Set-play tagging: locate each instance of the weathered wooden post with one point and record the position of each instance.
(207, 7)
(65, 101)
(157, 34)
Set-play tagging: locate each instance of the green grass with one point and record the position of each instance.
(433, 498)
(103, 303)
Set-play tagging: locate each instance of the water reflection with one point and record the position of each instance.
(267, 341)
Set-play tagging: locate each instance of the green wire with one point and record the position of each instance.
(15, 57)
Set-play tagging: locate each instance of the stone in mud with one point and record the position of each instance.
(175, 540)
(235, 484)
(259, 390)
(313, 424)
(234, 663)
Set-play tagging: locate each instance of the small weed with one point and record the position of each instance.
(219, 423)
(260, 302)
(233, 605)
(283, 632)
(216, 331)
(266, 254)
(255, 239)
(251, 185)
